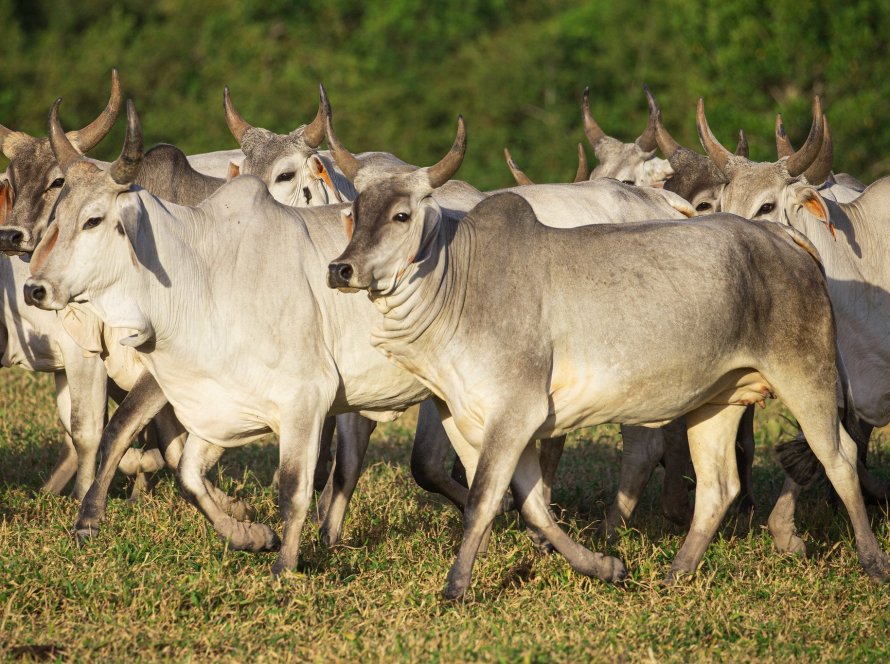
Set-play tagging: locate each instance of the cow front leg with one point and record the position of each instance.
(136, 410)
(429, 454)
(711, 431)
(198, 456)
(642, 449)
(86, 379)
(527, 485)
(298, 456)
(353, 434)
(66, 466)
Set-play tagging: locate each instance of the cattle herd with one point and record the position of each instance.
(214, 297)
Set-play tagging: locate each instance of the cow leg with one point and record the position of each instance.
(551, 453)
(781, 520)
(198, 456)
(86, 380)
(353, 434)
(298, 456)
(744, 448)
(136, 410)
(66, 466)
(324, 453)
(838, 454)
(642, 449)
(711, 431)
(527, 485)
(428, 456)
(677, 474)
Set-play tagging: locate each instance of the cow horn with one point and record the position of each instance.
(803, 158)
(90, 136)
(583, 172)
(237, 125)
(441, 172)
(718, 154)
(518, 175)
(820, 169)
(66, 154)
(126, 167)
(741, 148)
(313, 134)
(591, 128)
(784, 148)
(4, 134)
(647, 141)
(346, 161)
(666, 142)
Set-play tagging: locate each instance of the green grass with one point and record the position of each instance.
(158, 583)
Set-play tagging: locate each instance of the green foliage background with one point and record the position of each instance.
(398, 72)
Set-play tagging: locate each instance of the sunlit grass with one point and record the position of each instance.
(158, 583)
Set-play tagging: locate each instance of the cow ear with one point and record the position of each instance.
(84, 327)
(5, 200)
(233, 172)
(129, 210)
(319, 171)
(805, 196)
(348, 222)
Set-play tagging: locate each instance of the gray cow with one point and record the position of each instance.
(507, 375)
(851, 240)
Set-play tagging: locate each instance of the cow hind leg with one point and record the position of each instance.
(711, 431)
(429, 453)
(527, 485)
(745, 461)
(324, 453)
(642, 449)
(198, 456)
(64, 469)
(678, 472)
(781, 520)
(353, 434)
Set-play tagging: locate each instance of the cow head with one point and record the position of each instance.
(631, 163)
(776, 191)
(35, 178)
(289, 164)
(696, 178)
(392, 221)
(88, 246)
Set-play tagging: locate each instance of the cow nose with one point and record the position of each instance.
(12, 239)
(339, 274)
(34, 293)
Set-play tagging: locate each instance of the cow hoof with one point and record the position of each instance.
(542, 544)
(84, 535)
(328, 536)
(254, 537)
(674, 578)
(453, 592)
(612, 570)
(792, 545)
(877, 568)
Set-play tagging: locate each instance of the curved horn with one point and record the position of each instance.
(126, 167)
(90, 136)
(718, 154)
(237, 125)
(583, 172)
(741, 148)
(442, 171)
(66, 154)
(803, 158)
(520, 177)
(666, 142)
(346, 161)
(4, 133)
(820, 169)
(591, 128)
(647, 141)
(313, 133)
(784, 148)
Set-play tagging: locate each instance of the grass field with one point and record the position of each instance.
(158, 584)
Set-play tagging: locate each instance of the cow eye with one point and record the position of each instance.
(766, 208)
(628, 182)
(92, 222)
(57, 183)
(285, 177)
(401, 216)
(701, 207)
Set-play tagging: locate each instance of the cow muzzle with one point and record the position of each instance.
(14, 240)
(340, 275)
(39, 293)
